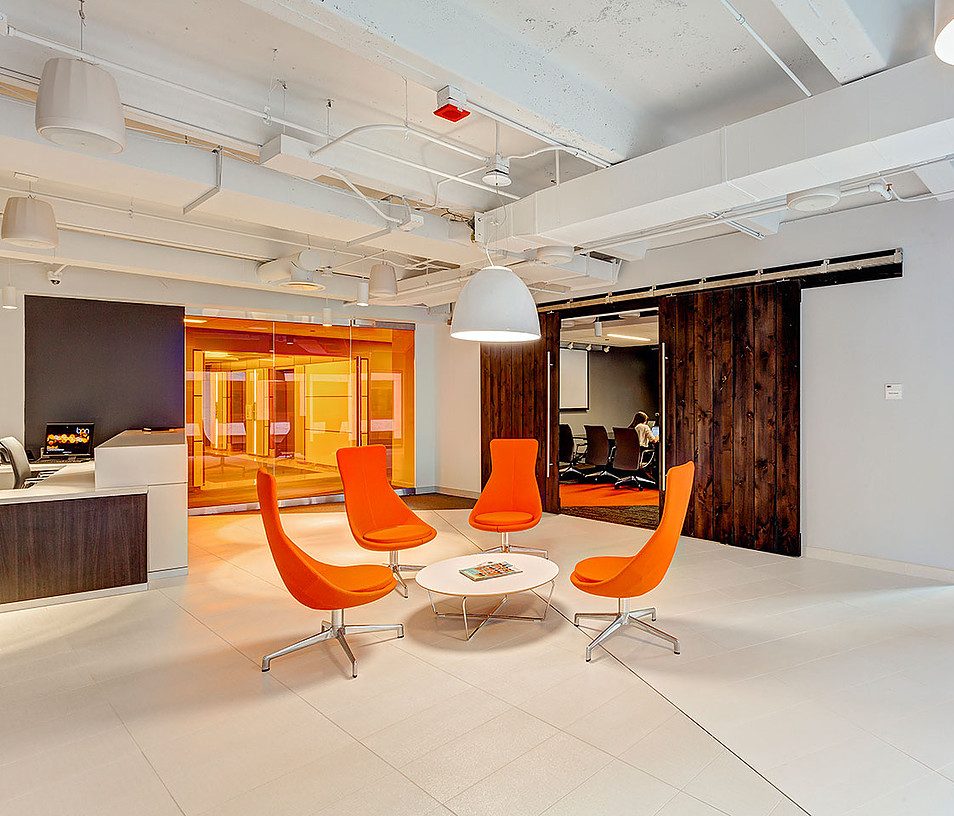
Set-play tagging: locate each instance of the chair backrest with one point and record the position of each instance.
(17, 455)
(370, 501)
(648, 567)
(301, 573)
(513, 479)
(597, 445)
(627, 454)
(567, 443)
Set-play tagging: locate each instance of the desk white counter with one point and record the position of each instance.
(153, 464)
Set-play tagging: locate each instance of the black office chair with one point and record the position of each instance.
(568, 455)
(597, 457)
(628, 460)
(16, 456)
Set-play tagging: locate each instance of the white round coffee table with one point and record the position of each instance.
(444, 578)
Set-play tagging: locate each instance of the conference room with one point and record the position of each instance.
(610, 417)
(412, 414)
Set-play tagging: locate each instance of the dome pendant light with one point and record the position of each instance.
(78, 107)
(944, 30)
(495, 306)
(29, 222)
(383, 280)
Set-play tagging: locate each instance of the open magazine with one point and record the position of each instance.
(492, 569)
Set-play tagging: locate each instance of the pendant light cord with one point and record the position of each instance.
(82, 17)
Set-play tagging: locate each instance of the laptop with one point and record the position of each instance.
(68, 442)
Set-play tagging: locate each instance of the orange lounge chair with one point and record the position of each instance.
(510, 501)
(627, 577)
(379, 519)
(318, 585)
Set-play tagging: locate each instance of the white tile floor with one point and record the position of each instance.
(830, 681)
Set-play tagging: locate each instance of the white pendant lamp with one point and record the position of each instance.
(944, 30)
(29, 222)
(495, 307)
(78, 106)
(383, 280)
(362, 297)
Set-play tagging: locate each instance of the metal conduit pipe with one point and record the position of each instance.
(12, 31)
(421, 134)
(740, 19)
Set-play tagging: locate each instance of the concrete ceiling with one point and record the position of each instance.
(619, 78)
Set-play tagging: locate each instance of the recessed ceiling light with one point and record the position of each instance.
(630, 337)
(194, 320)
(817, 199)
(218, 355)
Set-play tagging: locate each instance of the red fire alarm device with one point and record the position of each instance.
(451, 104)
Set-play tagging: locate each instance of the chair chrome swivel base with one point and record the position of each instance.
(505, 547)
(396, 569)
(624, 615)
(335, 630)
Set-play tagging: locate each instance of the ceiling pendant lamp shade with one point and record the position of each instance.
(78, 106)
(383, 280)
(9, 297)
(29, 222)
(495, 306)
(944, 30)
(363, 291)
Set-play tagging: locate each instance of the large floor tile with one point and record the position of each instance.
(617, 789)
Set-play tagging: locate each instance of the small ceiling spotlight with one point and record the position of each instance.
(498, 172)
(589, 347)
(571, 347)
(606, 349)
(598, 328)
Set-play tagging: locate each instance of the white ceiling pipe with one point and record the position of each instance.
(740, 19)
(421, 134)
(12, 31)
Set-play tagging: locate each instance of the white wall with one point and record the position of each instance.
(876, 476)
(458, 414)
(230, 300)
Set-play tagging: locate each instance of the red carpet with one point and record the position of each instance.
(602, 495)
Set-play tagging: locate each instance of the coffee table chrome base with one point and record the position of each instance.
(335, 629)
(396, 570)
(505, 547)
(483, 617)
(624, 616)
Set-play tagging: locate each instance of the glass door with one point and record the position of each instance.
(286, 397)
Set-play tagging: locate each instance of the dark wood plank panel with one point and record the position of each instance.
(78, 545)
(702, 384)
(788, 342)
(743, 424)
(513, 385)
(732, 391)
(766, 378)
(722, 416)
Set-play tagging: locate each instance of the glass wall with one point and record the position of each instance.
(286, 396)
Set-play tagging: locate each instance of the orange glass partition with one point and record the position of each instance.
(287, 396)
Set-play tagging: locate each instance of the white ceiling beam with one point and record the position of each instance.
(856, 38)
(435, 43)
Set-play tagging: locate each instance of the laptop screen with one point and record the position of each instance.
(69, 439)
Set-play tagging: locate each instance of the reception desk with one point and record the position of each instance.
(100, 526)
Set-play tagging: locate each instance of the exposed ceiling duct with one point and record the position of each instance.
(858, 131)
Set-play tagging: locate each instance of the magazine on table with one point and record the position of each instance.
(491, 569)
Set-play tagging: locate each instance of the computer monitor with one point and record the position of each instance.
(69, 439)
(655, 432)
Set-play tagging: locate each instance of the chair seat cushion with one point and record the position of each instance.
(401, 534)
(503, 518)
(360, 577)
(600, 568)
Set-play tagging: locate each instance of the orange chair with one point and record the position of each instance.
(626, 577)
(510, 501)
(379, 520)
(318, 585)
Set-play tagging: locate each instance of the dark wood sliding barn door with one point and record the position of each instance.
(518, 384)
(732, 406)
